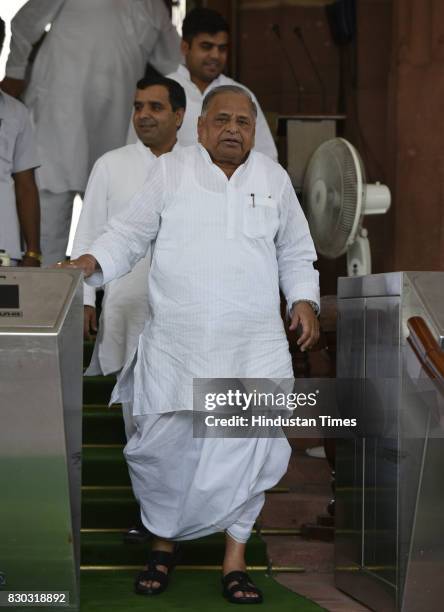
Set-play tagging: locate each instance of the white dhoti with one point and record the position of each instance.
(191, 487)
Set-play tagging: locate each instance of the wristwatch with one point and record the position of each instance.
(33, 255)
(314, 306)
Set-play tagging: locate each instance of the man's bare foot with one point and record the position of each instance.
(234, 560)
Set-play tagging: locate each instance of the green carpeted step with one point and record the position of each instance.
(104, 466)
(102, 509)
(189, 591)
(88, 348)
(109, 549)
(103, 425)
(97, 389)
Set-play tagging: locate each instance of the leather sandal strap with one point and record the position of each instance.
(161, 557)
(152, 574)
(242, 582)
(236, 576)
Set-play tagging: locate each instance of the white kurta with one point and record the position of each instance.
(214, 306)
(115, 178)
(84, 76)
(187, 135)
(215, 275)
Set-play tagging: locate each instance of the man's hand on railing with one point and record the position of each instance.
(87, 263)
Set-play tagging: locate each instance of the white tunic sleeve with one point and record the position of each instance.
(295, 251)
(25, 149)
(128, 235)
(93, 219)
(263, 141)
(26, 28)
(156, 35)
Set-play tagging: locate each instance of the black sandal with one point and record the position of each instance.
(157, 557)
(242, 582)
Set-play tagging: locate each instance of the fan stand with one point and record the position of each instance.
(359, 261)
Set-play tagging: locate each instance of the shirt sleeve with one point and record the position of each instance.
(93, 219)
(264, 142)
(128, 235)
(26, 28)
(157, 35)
(25, 150)
(295, 251)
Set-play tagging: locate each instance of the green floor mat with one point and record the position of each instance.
(189, 591)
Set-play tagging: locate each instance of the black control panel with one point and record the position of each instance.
(9, 296)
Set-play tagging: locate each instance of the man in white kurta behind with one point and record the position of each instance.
(81, 89)
(159, 106)
(229, 232)
(205, 41)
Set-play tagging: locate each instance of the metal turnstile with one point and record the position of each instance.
(41, 322)
(389, 483)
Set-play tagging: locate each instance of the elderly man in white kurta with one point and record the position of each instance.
(159, 106)
(205, 40)
(229, 232)
(81, 89)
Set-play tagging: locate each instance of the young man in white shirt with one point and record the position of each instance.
(159, 106)
(205, 43)
(19, 198)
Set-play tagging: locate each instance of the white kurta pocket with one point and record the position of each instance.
(261, 218)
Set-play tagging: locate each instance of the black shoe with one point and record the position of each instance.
(137, 535)
(157, 557)
(242, 582)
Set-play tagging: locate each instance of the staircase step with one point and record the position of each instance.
(291, 510)
(306, 471)
(88, 348)
(104, 466)
(109, 549)
(102, 509)
(313, 531)
(97, 389)
(97, 502)
(325, 520)
(103, 426)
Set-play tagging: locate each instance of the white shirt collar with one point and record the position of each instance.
(147, 151)
(183, 71)
(207, 157)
